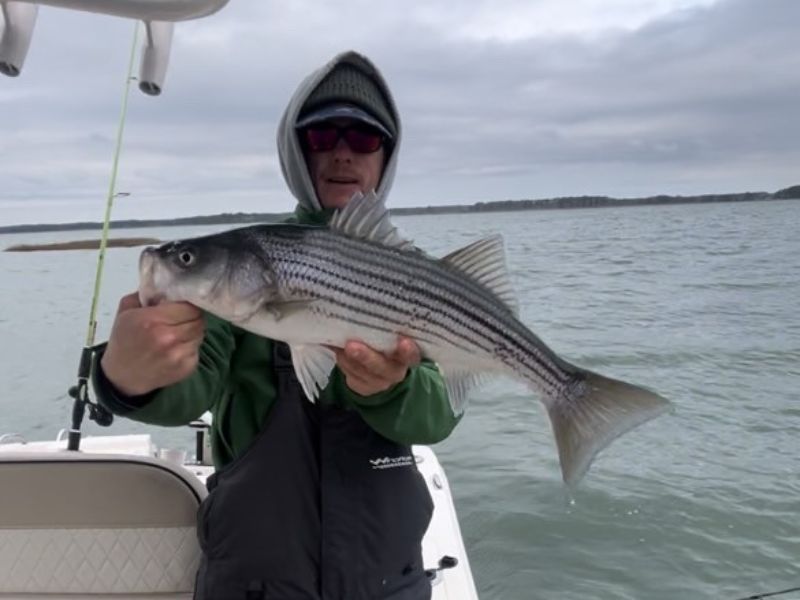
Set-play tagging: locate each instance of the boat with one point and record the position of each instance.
(117, 519)
(114, 516)
(158, 16)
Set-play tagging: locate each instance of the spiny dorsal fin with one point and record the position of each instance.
(366, 217)
(485, 262)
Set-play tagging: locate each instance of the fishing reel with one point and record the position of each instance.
(97, 412)
(81, 401)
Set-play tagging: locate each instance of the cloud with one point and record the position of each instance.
(502, 100)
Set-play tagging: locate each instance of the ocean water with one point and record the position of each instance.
(697, 302)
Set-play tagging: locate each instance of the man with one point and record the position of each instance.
(297, 508)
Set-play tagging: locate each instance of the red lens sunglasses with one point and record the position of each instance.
(360, 139)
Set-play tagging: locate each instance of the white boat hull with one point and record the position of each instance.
(443, 538)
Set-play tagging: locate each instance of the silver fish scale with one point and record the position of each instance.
(369, 285)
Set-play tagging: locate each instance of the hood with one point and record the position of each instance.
(293, 164)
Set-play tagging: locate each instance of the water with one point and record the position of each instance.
(699, 303)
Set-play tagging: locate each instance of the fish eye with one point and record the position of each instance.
(186, 257)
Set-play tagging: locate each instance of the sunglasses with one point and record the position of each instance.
(359, 138)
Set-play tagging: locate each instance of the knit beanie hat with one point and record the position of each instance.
(348, 84)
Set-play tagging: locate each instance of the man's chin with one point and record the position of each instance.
(339, 196)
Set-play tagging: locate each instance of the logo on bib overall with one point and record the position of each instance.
(388, 462)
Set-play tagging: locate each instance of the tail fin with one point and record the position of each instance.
(593, 412)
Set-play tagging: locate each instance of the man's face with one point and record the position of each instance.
(339, 173)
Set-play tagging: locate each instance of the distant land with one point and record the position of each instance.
(85, 244)
(789, 193)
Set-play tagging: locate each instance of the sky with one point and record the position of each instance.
(500, 99)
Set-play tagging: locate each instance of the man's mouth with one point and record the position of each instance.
(343, 180)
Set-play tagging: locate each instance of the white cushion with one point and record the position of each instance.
(98, 561)
(74, 524)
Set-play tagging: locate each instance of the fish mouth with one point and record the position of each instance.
(149, 294)
(150, 298)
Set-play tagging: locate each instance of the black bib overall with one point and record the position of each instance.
(320, 507)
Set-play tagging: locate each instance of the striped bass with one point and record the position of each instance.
(318, 287)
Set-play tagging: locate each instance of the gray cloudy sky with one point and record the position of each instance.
(499, 99)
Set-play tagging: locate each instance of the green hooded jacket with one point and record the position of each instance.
(235, 380)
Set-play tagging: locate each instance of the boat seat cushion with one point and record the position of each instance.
(111, 526)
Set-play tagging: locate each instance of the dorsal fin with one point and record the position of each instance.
(366, 217)
(485, 262)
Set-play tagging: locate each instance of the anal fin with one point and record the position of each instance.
(459, 384)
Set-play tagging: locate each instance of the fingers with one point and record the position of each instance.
(175, 313)
(364, 388)
(368, 371)
(359, 360)
(184, 357)
(171, 313)
(128, 302)
(153, 346)
(190, 331)
(407, 352)
(172, 335)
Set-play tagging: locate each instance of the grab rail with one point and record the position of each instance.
(145, 10)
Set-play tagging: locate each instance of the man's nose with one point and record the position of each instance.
(341, 151)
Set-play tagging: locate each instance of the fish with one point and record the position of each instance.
(316, 287)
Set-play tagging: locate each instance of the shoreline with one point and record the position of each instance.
(560, 203)
(84, 244)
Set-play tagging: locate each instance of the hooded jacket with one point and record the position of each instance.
(293, 163)
(235, 379)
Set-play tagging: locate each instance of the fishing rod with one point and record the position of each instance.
(80, 391)
(771, 594)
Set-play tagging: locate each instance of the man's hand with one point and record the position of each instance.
(368, 371)
(152, 347)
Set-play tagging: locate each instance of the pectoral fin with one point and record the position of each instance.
(312, 365)
(282, 310)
